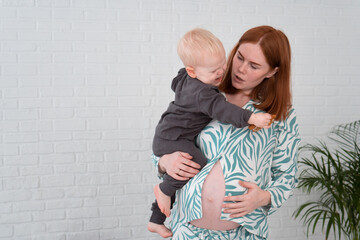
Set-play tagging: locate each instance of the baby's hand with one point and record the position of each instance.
(260, 120)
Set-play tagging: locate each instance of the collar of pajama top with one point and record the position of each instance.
(267, 157)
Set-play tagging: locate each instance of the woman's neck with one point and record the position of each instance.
(239, 98)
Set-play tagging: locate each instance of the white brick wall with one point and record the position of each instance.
(83, 84)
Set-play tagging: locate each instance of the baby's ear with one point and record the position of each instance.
(191, 72)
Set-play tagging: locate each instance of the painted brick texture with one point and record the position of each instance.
(83, 84)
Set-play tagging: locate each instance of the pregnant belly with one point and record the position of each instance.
(213, 193)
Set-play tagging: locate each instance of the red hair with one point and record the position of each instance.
(274, 93)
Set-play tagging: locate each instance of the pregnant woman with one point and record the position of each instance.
(249, 174)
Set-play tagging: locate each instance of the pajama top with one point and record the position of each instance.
(267, 157)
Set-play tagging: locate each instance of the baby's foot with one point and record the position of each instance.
(159, 229)
(163, 201)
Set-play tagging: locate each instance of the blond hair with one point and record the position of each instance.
(198, 44)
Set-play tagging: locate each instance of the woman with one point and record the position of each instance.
(249, 174)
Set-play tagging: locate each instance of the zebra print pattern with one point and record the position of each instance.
(267, 157)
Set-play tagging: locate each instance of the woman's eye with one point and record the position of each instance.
(253, 66)
(240, 57)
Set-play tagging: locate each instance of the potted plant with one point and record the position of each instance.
(333, 171)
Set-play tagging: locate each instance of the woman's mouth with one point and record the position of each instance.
(238, 79)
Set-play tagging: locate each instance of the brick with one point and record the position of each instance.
(16, 218)
(92, 179)
(91, 92)
(21, 93)
(29, 229)
(36, 170)
(19, 69)
(102, 124)
(9, 103)
(6, 231)
(84, 236)
(101, 15)
(29, 206)
(66, 203)
(101, 223)
(87, 136)
(21, 160)
(57, 113)
(57, 159)
(103, 102)
(102, 146)
(70, 125)
(49, 215)
(9, 149)
(112, 190)
(65, 226)
(90, 157)
(83, 213)
(8, 58)
(55, 3)
(99, 201)
(14, 196)
(36, 148)
(47, 194)
(69, 57)
(29, 82)
(57, 92)
(114, 211)
(6, 208)
(87, 192)
(57, 181)
(35, 103)
(123, 233)
(9, 171)
(103, 167)
(36, 126)
(69, 147)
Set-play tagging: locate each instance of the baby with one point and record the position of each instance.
(197, 102)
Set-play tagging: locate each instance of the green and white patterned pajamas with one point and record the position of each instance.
(267, 157)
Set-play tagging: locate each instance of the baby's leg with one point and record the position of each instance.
(169, 185)
(163, 201)
(157, 219)
(159, 229)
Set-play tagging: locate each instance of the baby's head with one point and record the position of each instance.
(203, 56)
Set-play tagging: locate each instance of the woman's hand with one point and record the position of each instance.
(178, 165)
(244, 204)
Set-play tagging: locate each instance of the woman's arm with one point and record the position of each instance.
(283, 169)
(178, 165)
(284, 165)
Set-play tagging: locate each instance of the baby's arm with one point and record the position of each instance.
(214, 104)
(262, 120)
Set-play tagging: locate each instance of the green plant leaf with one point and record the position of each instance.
(334, 171)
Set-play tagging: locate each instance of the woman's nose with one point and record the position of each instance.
(242, 68)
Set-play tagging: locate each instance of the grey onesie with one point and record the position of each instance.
(195, 105)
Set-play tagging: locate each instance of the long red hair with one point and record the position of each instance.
(274, 93)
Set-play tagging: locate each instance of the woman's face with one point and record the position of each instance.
(249, 67)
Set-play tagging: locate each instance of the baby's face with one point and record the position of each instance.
(212, 69)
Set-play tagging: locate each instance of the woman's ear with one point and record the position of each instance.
(272, 73)
(191, 72)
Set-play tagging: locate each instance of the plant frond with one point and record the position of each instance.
(335, 172)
